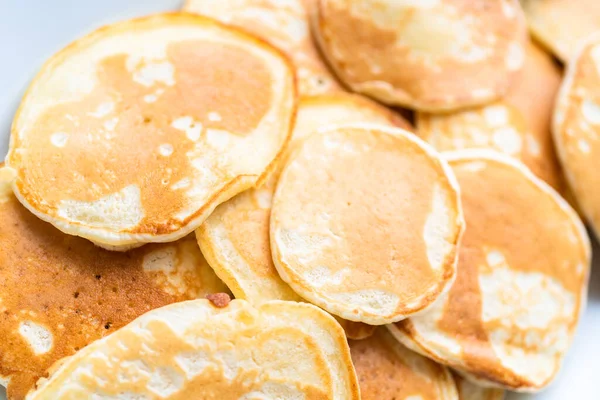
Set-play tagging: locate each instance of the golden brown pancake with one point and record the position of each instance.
(137, 131)
(468, 390)
(58, 293)
(281, 23)
(576, 128)
(522, 279)
(235, 238)
(387, 370)
(365, 223)
(430, 55)
(561, 25)
(196, 350)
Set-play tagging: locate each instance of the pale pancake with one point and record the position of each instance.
(576, 129)
(468, 390)
(387, 370)
(517, 125)
(285, 25)
(429, 55)
(235, 238)
(194, 350)
(561, 25)
(58, 292)
(137, 131)
(365, 223)
(522, 279)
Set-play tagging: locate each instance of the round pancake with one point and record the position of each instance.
(562, 24)
(517, 125)
(429, 55)
(365, 223)
(576, 127)
(467, 390)
(285, 25)
(59, 293)
(278, 350)
(235, 238)
(522, 278)
(135, 132)
(387, 370)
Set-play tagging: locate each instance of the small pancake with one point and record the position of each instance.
(59, 293)
(284, 25)
(195, 350)
(430, 55)
(522, 279)
(576, 129)
(387, 370)
(561, 25)
(235, 238)
(518, 125)
(468, 390)
(137, 131)
(365, 223)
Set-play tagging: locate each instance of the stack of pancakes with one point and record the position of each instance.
(255, 149)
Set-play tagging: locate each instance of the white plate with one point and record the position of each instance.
(32, 30)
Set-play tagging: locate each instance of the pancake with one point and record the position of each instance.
(517, 125)
(562, 24)
(278, 350)
(467, 390)
(284, 25)
(522, 279)
(434, 55)
(59, 293)
(235, 238)
(387, 370)
(137, 131)
(344, 216)
(576, 128)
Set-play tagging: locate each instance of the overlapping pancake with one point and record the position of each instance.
(285, 24)
(468, 390)
(387, 370)
(195, 350)
(561, 25)
(576, 129)
(522, 279)
(235, 238)
(58, 292)
(137, 131)
(430, 55)
(365, 223)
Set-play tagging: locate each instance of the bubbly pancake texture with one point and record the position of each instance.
(430, 55)
(522, 278)
(468, 390)
(577, 129)
(285, 25)
(194, 350)
(235, 238)
(561, 25)
(387, 370)
(135, 132)
(59, 293)
(518, 125)
(365, 223)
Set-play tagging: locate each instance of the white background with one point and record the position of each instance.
(32, 30)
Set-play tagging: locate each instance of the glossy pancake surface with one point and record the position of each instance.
(561, 25)
(468, 390)
(194, 350)
(518, 125)
(58, 293)
(430, 55)
(387, 370)
(522, 279)
(284, 24)
(135, 132)
(364, 223)
(577, 129)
